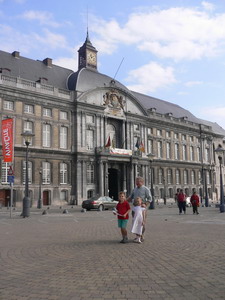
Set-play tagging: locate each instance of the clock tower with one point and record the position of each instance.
(87, 55)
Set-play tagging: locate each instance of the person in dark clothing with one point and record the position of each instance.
(181, 198)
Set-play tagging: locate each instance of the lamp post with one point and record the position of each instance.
(39, 204)
(152, 204)
(206, 188)
(26, 200)
(220, 152)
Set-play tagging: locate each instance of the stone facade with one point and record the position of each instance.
(94, 109)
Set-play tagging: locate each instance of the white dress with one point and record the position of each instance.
(137, 220)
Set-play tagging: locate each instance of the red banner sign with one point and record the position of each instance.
(7, 140)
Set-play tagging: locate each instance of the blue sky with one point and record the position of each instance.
(172, 50)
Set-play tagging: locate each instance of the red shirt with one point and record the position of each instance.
(194, 199)
(181, 197)
(122, 208)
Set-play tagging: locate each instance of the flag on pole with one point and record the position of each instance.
(7, 140)
(142, 147)
(108, 144)
(137, 145)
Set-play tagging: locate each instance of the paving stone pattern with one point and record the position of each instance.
(78, 256)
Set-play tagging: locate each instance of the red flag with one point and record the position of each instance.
(108, 144)
(142, 147)
(7, 140)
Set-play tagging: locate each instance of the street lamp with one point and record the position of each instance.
(206, 188)
(219, 150)
(152, 204)
(39, 204)
(26, 200)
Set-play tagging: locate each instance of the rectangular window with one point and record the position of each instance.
(90, 174)
(46, 173)
(5, 168)
(176, 136)
(184, 148)
(63, 137)
(63, 115)
(63, 173)
(150, 146)
(207, 158)
(28, 109)
(90, 139)
(168, 134)
(159, 132)
(168, 150)
(192, 153)
(47, 112)
(28, 126)
(191, 138)
(177, 177)
(46, 136)
(176, 151)
(9, 105)
(184, 137)
(198, 154)
(29, 165)
(159, 146)
(149, 130)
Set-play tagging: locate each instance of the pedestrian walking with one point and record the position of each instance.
(176, 196)
(181, 198)
(144, 193)
(122, 211)
(138, 219)
(195, 202)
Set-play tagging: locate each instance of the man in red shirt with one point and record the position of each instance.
(181, 198)
(195, 202)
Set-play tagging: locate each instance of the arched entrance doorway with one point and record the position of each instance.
(113, 183)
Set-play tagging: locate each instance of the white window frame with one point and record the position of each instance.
(4, 173)
(63, 144)
(63, 170)
(159, 149)
(46, 136)
(90, 173)
(47, 112)
(46, 172)
(9, 105)
(63, 115)
(168, 150)
(176, 151)
(90, 139)
(30, 167)
(28, 126)
(28, 109)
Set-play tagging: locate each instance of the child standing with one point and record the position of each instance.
(138, 214)
(123, 209)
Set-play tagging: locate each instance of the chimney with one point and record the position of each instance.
(48, 62)
(16, 54)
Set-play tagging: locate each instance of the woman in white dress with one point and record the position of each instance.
(138, 215)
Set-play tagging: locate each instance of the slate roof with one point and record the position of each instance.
(87, 79)
(33, 70)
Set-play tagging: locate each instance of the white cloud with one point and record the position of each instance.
(193, 83)
(45, 18)
(69, 63)
(150, 77)
(176, 33)
(208, 6)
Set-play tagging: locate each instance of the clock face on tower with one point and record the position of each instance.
(91, 58)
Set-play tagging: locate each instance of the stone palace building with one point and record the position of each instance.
(93, 136)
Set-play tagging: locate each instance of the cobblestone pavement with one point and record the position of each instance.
(77, 256)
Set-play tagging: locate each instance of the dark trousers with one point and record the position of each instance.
(182, 206)
(195, 208)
